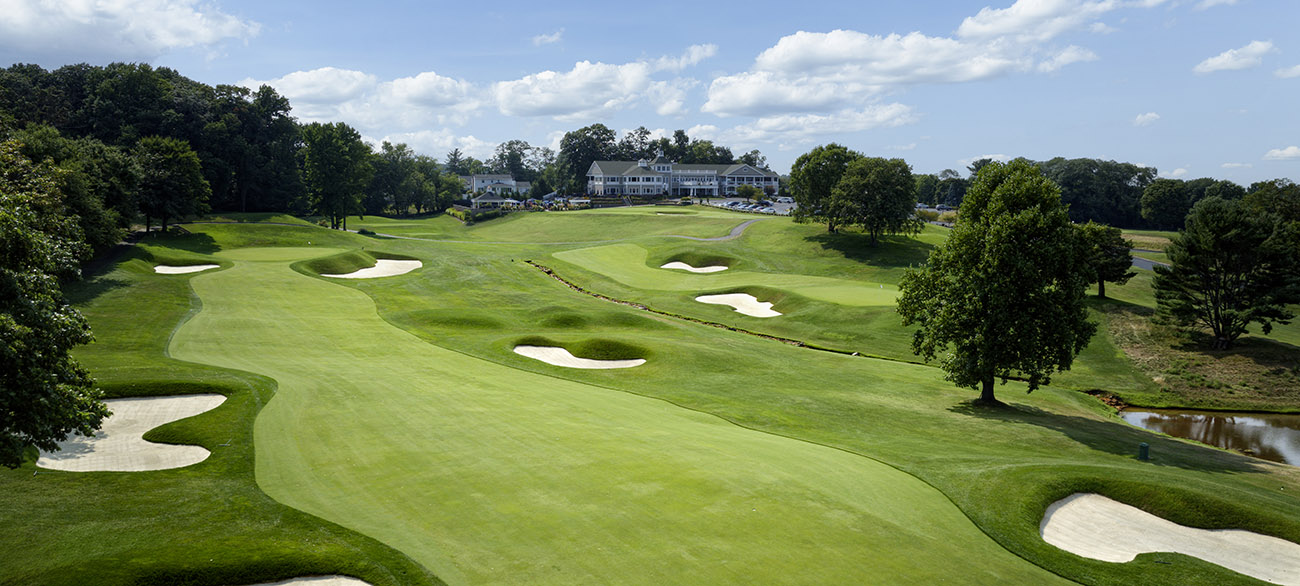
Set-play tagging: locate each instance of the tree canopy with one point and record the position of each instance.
(337, 169)
(813, 177)
(879, 195)
(1109, 255)
(1231, 266)
(171, 179)
(1004, 295)
(44, 393)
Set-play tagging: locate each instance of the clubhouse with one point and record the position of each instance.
(664, 177)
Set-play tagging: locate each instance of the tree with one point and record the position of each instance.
(511, 159)
(952, 188)
(1004, 295)
(455, 162)
(1228, 268)
(44, 393)
(1109, 255)
(171, 180)
(337, 169)
(579, 149)
(927, 188)
(879, 195)
(813, 176)
(1104, 191)
(749, 192)
(635, 145)
(1165, 203)
(754, 159)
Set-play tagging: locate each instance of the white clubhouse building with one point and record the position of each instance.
(664, 177)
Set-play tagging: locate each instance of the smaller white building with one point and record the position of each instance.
(497, 184)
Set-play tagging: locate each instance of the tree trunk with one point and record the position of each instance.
(1101, 288)
(986, 394)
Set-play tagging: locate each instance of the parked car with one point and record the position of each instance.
(785, 200)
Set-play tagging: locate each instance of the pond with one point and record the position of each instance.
(1269, 436)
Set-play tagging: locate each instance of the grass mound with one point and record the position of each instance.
(699, 259)
(591, 349)
(347, 262)
(781, 300)
(449, 319)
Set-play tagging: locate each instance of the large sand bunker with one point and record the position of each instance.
(742, 303)
(319, 581)
(685, 267)
(1093, 526)
(561, 357)
(384, 267)
(119, 445)
(171, 270)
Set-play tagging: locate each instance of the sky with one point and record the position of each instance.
(1195, 88)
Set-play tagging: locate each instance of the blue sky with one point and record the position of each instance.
(1196, 88)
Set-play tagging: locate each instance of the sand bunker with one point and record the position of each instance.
(119, 447)
(742, 303)
(383, 268)
(170, 270)
(685, 267)
(561, 357)
(319, 581)
(1093, 526)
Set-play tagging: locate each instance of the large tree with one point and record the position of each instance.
(1230, 267)
(337, 170)
(1165, 203)
(879, 195)
(171, 180)
(1004, 295)
(1109, 255)
(44, 393)
(579, 148)
(813, 176)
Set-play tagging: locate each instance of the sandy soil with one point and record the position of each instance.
(685, 267)
(119, 447)
(742, 303)
(170, 270)
(561, 357)
(383, 268)
(318, 581)
(1093, 526)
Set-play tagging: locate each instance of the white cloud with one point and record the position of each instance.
(1101, 28)
(1290, 153)
(1176, 173)
(1237, 166)
(1288, 72)
(903, 147)
(1071, 54)
(692, 56)
(997, 157)
(589, 89)
(554, 37)
(1211, 3)
(430, 89)
(1146, 119)
(1033, 20)
(88, 30)
(1251, 55)
(436, 143)
(669, 97)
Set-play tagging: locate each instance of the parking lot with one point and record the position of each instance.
(779, 209)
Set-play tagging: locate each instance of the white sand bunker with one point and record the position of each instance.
(170, 270)
(561, 357)
(742, 303)
(119, 447)
(1093, 526)
(383, 268)
(319, 581)
(685, 267)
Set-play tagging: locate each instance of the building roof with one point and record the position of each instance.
(633, 168)
(496, 177)
(489, 197)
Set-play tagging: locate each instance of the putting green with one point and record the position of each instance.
(486, 473)
(626, 263)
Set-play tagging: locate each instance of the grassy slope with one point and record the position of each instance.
(575, 226)
(203, 524)
(1000, 467)
(487, 473)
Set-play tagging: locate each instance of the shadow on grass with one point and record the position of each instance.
(892, 251)
(180, 239)
(1112, 437)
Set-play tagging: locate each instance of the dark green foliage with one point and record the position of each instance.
(44, 393)
(1278, 196)
(1109, 255)
(337, 170)
(171, 180)
(1230, 267)
(1108, 192)
(1004, 296)
(579, 149)
(1165, 203)
(813, 176)
(879, 195)
(927, 189)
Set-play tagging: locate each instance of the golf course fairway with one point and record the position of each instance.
(626, 263)
(489, 474)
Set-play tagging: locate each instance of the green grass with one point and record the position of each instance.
(573, 226)
(203, 524)
(402, 413)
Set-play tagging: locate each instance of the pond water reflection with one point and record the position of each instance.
(1263, 435)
